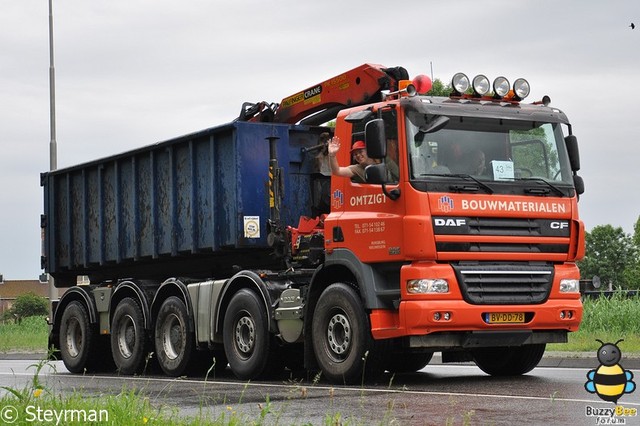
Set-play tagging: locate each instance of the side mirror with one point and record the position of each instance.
(375, 138)
(578, 183)
(574, 154)
(377, 173)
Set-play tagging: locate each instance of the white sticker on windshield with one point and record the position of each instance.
(502, 170)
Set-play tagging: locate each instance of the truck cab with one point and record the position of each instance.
(471, 249)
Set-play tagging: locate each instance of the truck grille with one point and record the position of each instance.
(533, 235)
(504, 283)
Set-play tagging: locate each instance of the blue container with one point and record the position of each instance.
(192, 206)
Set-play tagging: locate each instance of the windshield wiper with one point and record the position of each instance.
(467, 188)
(546, 182)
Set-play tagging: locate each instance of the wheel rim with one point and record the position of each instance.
(74, 338)
(245, 336)
(127, 336)
(339, 336)
(172, 336)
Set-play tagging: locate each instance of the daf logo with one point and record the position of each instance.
(450, 222)
(559, 225)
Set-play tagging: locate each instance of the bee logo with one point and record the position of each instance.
(610, 381)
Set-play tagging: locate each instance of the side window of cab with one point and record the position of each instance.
(359, 157)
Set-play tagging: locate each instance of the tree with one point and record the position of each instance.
(612, 255)
(438, 88)
(632, 274)
(28, 305)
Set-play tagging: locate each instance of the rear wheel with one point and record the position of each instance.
(512, 361)
(407, 362)
(128, 337)
(247, 342)
(174, 342)
(342, 342)
(207, 362)
(77, 337)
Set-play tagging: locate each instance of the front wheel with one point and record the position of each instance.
(407, 362)
(341, 336)
(174, 342)
(512, 361)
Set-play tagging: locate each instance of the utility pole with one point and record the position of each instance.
(53, 147)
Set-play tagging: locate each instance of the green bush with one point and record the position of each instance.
(29, 305)
(617, 314)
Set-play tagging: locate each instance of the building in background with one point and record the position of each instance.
(10, 289)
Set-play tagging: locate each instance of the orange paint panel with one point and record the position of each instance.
(385, 324)
(416, 313)
(493, 256)
(500, 206)
(374, 237)
(419, 241)
(418, 316)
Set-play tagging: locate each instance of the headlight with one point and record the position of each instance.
(501, 87)
(481, 85)
(569, 286)
(521, 88)
(460, 83)
(424, 286)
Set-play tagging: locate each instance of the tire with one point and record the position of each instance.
(247, 341)
(174, 343)
(77, 338)
(204, 360)
(293, 357)
(101, 361)
(407, 362)
(220, 358)
(342, 342)
(128, 338)
(513, 361)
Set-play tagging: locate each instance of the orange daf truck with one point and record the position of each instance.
(233, 243)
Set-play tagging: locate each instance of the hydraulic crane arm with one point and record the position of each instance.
(322, 102)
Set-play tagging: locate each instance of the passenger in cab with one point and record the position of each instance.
(358, 154)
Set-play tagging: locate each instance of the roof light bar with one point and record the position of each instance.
(501, 87)
(521, 88)
(460, 83)
(481, 85)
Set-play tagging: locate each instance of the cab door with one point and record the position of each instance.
(369, 223)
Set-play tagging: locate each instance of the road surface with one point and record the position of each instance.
(437, 395)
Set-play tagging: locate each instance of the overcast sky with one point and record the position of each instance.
(131, 73)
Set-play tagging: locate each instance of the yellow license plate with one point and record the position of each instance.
(505, 317)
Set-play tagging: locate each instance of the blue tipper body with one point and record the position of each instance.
(181, 204)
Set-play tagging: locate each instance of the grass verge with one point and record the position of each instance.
(37, 404)
(608, 319)
(585, 341)
(30, 334)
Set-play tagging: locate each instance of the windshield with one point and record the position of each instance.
(487, 149)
